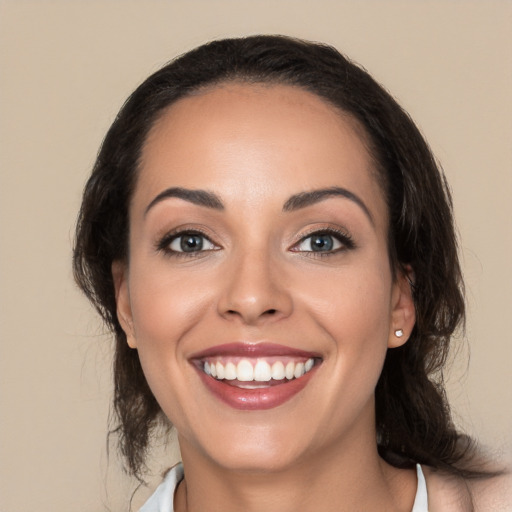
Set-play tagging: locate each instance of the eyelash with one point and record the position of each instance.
(343, 238)
(346, 241)
(164, 245)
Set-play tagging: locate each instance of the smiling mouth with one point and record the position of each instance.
(255, 377)
(250, 373)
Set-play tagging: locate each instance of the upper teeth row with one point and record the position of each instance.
(261, 371)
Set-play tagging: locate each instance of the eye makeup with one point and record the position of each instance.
(323, 242)
(185, 242)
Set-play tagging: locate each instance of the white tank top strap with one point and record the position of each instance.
(421, 500)
(162, 500)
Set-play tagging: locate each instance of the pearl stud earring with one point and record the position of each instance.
(399, 333)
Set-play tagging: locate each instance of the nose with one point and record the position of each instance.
(255, 290)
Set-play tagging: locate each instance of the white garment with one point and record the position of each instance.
(162, 499)
(421, 500)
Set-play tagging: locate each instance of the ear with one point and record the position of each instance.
(403, 314)
(124, 310)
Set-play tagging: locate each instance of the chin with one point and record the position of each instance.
(257, 459)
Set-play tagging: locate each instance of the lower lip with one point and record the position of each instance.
(256, 399)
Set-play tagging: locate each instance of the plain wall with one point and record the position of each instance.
(67, 66)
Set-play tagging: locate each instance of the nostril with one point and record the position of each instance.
(268, 312)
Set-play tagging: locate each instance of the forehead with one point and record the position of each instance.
(257, 143)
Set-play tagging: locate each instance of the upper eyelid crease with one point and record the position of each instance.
(343, 238)
(165, 240)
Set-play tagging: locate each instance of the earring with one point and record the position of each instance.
(399, 333)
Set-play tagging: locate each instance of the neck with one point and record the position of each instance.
(343, 478)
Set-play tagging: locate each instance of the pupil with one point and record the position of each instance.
(191, 243)
(322, 243)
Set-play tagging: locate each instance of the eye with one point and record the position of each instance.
(324, 242)
(187, 242)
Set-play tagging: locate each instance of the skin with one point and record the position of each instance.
(255, 147)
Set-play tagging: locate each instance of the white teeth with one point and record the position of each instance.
(245, 371)
(262, 371)
(259, 371)
(278, 370)
(230, 373)
(299, 370)
(220, 371)
(289, 370)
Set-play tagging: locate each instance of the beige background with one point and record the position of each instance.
(66, 68)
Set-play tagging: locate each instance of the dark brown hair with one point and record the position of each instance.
(413, 418)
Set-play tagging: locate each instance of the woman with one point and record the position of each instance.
(268, 236)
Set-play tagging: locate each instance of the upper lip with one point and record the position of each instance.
(244, 349)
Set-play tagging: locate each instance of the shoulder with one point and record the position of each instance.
(450, 493)
(492, 494)
(446, 492)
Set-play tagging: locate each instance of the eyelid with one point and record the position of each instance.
(187, 235)
(342, 236)
(163, 242)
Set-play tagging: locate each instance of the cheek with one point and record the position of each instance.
(164, 311)
(351, 302)
(354, 309)
(164, 306)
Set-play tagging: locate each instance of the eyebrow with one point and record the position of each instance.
(296, 202)
(304, 199)
(199, 197)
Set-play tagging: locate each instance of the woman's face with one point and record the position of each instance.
(259, 293)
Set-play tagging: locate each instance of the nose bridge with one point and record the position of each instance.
(255, 287)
